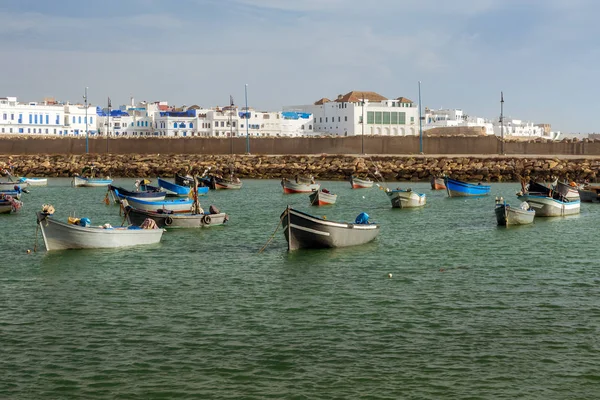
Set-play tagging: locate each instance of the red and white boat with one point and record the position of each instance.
(360, 183)
(322, 197)
(299, 186)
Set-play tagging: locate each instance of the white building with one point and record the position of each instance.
(78, 119)
(443, 118)
(344, 116)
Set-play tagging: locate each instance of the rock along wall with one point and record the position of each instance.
(332, 167)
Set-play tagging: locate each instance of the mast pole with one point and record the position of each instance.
(87, 148)
(420, 123)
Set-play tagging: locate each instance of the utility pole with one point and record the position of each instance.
(87, 133)
(362, 146)
(247, 120)
(420, 123)
(501, 123)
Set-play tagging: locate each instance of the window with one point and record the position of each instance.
(47, 120)
(346, 118)
(79, 119)
(30, 118)
(339, 119)
(402, 118)
(378, 117)
(386, 118)
(5, 117)
(326, 119)
(370, 117)
(12, 117)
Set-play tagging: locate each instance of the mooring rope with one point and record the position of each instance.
(273, 235)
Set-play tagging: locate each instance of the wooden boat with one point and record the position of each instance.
(299, 186)
(148, 195)
(9, 204)
(456, 188)
(507, 215)
(11, 185)
(176, 206)
(408, 198)
(589, 194)
(88, 178)
(231, 183)
(548, 206)
(360, 183)
(173, 189)
(175, 220)
(15, 194)
(89, 182)
(61, 236)
(322, 197)
(568, 191)
(34, 181)
(437, 183)
(306, 231)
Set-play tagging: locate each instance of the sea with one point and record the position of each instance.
(444, 304)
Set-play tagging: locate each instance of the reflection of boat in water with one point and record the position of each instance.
(302, 230)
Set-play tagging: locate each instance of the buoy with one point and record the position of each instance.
(363, 197)
(28, 251)
(390, 275)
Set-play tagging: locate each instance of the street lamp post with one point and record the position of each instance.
(87, 149)
(247, 120)
(108, 125)
(362, 144)
(502, 122)
(420, 123)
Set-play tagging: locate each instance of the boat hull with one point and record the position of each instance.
(62, 236)
(89, 182)
(320, 198)
(437, 183)
(406, 198)
(589, 196)
(227, 185)
(290, 187)
(358, 183)
(177, 206)
(549, 207)
(507, 215)
(303, 231)
(35, 181)
(456, 188)
(148, 195)
(163, 220)
(174, 189)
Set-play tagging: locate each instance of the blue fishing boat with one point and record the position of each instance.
(456, 188)
(176, 205)
(174, 189)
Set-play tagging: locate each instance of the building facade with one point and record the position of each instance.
(357, 113)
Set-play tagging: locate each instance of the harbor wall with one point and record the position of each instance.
(330, 167)
(383, 145)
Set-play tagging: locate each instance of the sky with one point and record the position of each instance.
(542, 54)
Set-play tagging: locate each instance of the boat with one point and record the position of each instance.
(34, 181)
(569, 191)
(507, 215)
(88, 179)
(299, 185)
(9, 204)
(173, 189)
(548, 206)
(322, 197)
(302, 230)
(11, 185)
(456, 188)
(589, 193)
(176, 220)
(437, 183)
(176, 205)
(408, 198)
(360, 183)
(148, 195)
(232, 183)
(79, 234)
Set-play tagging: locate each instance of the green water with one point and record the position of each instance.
(473, 311)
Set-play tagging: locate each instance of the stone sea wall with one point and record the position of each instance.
(331, 167)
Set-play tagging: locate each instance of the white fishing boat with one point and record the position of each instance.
(360, 183)
(507, 215)
(546, 206)
(406, 198)
(34, 181)
(299, 185)
(322, 197)
(88, 179)
(81, 235)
